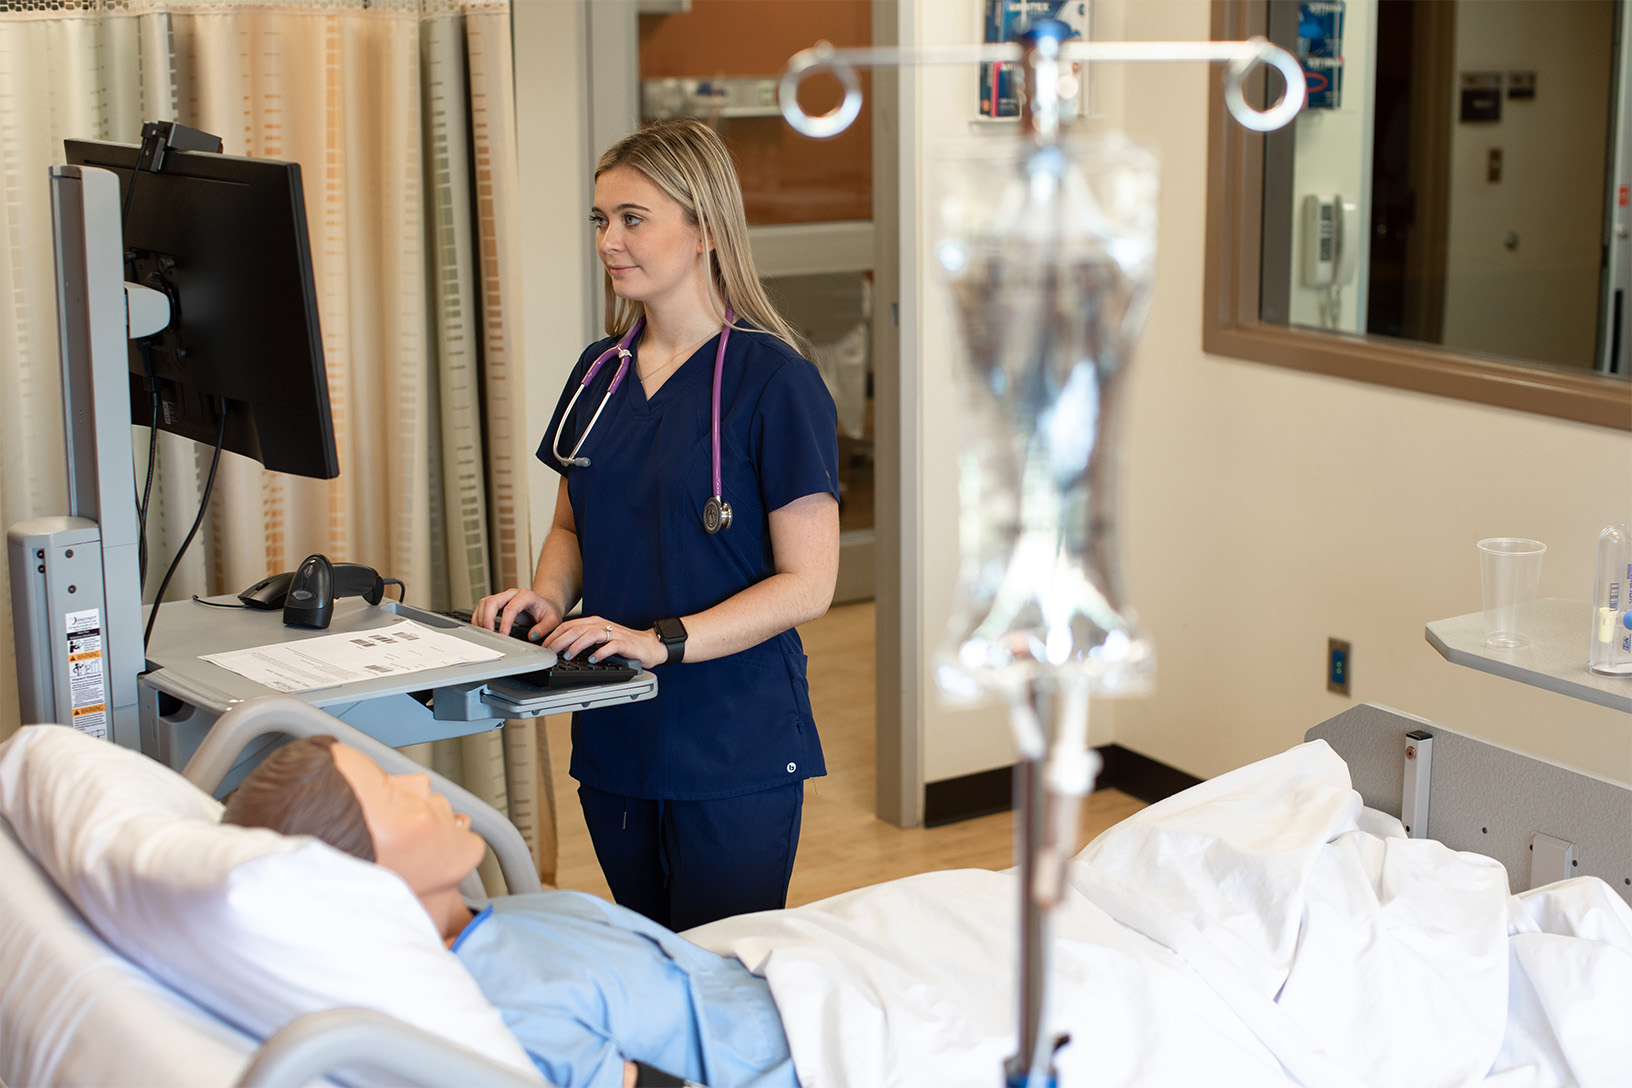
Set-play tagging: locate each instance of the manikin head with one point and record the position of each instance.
(317, 786)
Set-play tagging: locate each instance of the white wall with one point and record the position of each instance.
(553, 159)
(1266, 509)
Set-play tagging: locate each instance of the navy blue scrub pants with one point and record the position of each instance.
(685, 863)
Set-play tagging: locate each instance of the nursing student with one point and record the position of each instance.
(697, 523)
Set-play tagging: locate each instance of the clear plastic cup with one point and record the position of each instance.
(1509, 571)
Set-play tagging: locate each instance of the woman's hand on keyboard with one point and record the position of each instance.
(516, 608)
(594, 637)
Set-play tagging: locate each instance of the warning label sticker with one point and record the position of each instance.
(86, 692)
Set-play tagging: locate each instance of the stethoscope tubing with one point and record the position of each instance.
(621, 350)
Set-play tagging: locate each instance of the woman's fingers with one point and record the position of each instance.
(584, 636)
(486, 612)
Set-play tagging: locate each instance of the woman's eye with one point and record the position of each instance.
(631, 220)
(597, 222)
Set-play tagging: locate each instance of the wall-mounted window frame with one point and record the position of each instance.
(1231, 325)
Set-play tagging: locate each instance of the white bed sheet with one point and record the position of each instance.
(1259, 929)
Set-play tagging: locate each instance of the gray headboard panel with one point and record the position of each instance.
(1487, 798)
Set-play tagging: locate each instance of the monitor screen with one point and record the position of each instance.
(225, 238)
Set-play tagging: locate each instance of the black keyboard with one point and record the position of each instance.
(517, 630)
(564, 673)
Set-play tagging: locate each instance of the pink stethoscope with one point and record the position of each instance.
(716, 512)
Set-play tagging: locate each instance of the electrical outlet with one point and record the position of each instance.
(1337, 666)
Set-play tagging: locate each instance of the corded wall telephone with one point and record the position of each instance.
(1331, 240)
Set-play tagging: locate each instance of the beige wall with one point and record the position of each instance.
(1265, 509)
(1268, 509)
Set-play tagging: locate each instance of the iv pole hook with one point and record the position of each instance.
(1242, 57)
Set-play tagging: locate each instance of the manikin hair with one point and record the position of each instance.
(688, 161)
(297, 790)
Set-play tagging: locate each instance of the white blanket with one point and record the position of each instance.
(1260, 929)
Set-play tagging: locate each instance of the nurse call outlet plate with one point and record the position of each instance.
(1337, 666)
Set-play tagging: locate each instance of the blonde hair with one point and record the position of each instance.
(688, 161)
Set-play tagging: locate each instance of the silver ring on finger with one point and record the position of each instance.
(609, 632)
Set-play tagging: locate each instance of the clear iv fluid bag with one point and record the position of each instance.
(1050, 263)
(1609, 650)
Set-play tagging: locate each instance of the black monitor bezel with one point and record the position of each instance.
(245, 330)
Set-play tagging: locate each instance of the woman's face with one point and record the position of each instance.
(652, 251)
(416, 833)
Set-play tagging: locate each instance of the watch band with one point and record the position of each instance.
(672, 633)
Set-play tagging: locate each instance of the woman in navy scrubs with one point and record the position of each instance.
(692, 799)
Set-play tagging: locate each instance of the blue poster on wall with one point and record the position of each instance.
(1001, 85)
(1320, 52)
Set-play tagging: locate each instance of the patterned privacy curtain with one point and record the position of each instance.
(401, 114)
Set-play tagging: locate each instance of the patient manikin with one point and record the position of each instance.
(597, 995)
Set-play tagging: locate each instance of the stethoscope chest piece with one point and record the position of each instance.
(716, 514)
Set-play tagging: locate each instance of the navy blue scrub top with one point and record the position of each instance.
(736, 724)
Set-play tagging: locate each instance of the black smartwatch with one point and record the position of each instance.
(672, 633)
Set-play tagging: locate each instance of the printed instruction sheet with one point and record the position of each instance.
(329, 660)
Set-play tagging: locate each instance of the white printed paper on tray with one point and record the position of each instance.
(329, 660)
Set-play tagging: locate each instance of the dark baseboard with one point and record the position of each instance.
(967, 796)
(980, 794)
(1139, 776)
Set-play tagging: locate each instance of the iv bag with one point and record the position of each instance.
(1049, 260)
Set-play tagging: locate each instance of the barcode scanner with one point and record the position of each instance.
(310, 601)
(307, 593)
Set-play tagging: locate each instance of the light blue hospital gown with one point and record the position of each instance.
(585, 984)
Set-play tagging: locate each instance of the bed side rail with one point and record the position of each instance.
(321, 1043)
(1491, 800)
(273, 715)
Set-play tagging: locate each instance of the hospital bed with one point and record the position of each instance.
(1262, 928)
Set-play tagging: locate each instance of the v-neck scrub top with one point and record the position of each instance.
(736, 724)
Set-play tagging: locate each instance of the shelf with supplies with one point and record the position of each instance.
(1555, 660)
(721, 96)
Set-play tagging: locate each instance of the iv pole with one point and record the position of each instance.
(1044, 668)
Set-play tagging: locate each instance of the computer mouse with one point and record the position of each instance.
(269, 592)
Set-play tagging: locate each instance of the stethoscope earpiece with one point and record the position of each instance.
(716, 512)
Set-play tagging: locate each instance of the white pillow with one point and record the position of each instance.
(257, 927)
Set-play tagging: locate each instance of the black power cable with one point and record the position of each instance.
(203, 505)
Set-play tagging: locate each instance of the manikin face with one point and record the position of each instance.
(650, 249)
(416, 833)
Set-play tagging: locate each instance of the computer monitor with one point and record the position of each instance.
(225, 237)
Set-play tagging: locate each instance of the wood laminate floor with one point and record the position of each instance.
(842, 845)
